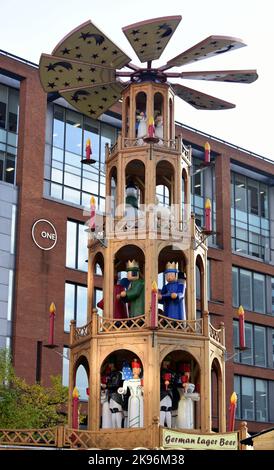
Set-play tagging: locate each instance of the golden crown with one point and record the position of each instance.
(173, 267)
(132, 265)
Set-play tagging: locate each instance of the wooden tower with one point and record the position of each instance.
(151, 163)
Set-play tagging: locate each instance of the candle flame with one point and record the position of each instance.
(154, 286)
(207, 146)
(150, 121)
(241, 310)
(88, 143)
(233, 399)
(92, 201)
(75, 393)
(52, 308)
(208, 204)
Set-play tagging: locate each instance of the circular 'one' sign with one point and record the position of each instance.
(44, 234)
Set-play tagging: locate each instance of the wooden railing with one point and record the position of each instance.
(172, 144)
(109, 325)
(124, 438)
(101, 325)
(150, 437)
(185, 326)
(30, 437)
(215, 334)
(80, 332)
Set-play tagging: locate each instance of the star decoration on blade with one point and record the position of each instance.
(87, 68)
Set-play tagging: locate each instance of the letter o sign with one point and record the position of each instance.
(44, 234)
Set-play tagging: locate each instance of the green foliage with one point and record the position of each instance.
(29, 406)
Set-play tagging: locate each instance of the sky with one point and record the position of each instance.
(30, 27)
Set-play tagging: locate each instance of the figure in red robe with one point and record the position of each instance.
(119, 307)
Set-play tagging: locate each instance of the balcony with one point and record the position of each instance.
(102, 326)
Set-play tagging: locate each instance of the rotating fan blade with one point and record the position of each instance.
(209, 47)
(58, 74)
(149, 38)
(93, 101)
(88, 44)
(200, 100)
(233, 76)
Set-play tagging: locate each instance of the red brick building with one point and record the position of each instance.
(41, 144)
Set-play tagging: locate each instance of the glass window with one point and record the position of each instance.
(249, 209)
(264, 200)
(257, 344)
(9, 103)
(247, 355)
(73, 132)
(260, 346)
(255, 398)
(75, 305)
(58, 128)
(3, 105)
(246, 289)
(235, 286)
(92, 132)
(71, 250)
(259, 292)
(65, 373)
(253, 197)
(236, 340)
(70, 133)
(81, 312)
(248, 399)
(72, 195)
(69, 305)
(82, 247)
(240, 193)
(13, 107)
(261, 400)
(77, 252)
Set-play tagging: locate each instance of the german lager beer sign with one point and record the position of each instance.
(180, 440)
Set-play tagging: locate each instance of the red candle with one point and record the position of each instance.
(208, 226)
(154, 305)
(232, 411)
(88, 149)
(92, 213)
(75, 403)
(207, 153)
(52, 310)
(151, 127)
(241, 314)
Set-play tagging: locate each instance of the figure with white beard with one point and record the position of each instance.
(142, 128)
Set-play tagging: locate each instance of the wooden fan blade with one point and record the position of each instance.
(149, 38)
(93, 101)
(209, 47)
(58, 74)
(200, 100)
(89, 44)
(233, 76)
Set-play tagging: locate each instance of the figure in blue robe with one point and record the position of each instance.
(173, 293)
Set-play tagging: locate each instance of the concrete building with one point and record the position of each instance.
(44, 191)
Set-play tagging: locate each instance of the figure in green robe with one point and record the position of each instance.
(135, 294)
